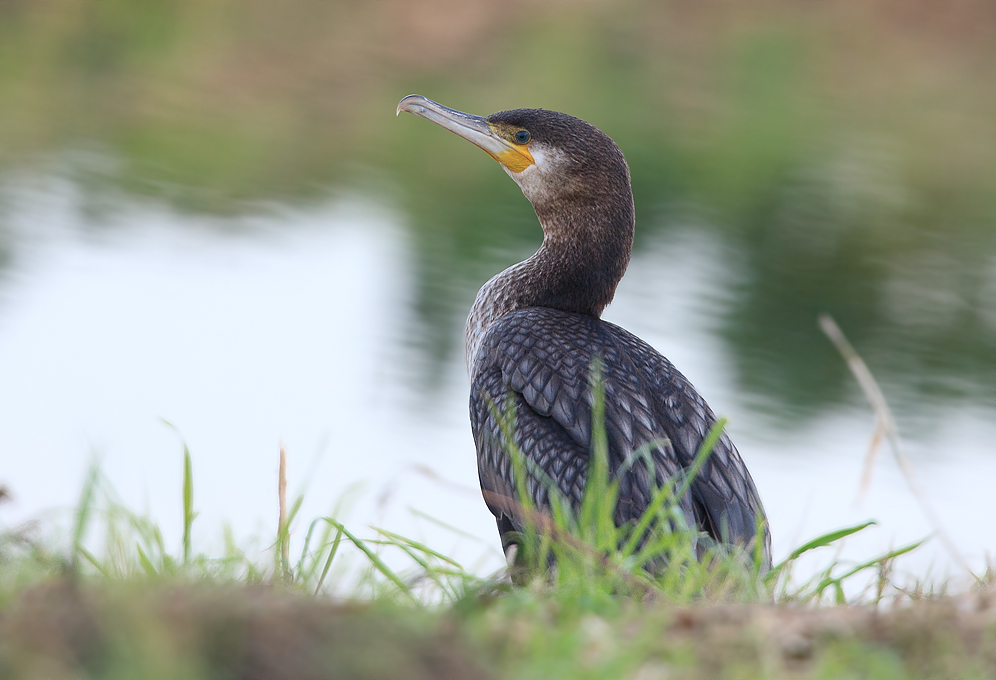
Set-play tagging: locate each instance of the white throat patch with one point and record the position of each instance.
(537, 181)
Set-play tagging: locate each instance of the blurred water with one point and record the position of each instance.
(295, 326)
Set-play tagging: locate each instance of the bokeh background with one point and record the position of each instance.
(209, 214)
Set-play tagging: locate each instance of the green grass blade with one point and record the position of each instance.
(705, 450)
(826, 539)
(328, 561)
(188, 502)
(418, 546)
(407, 546)
(444, 525)
(294, 509)
(891, 555)
(281, 552)
(305, 573)
(597, 525)
(88, 556)
(661, 496)
(375, 560)
(146, 563)
(84, 510)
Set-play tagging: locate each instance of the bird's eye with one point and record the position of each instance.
(522, 137)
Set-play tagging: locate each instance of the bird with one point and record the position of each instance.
(535, 330)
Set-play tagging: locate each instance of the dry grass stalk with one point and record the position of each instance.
(282, 493)
(885, 425)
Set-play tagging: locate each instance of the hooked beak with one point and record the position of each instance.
(474, 129)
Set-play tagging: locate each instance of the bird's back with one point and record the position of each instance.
(543, 358)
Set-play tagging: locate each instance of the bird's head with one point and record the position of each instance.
(556, 159)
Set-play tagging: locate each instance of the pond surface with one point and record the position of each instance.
(210, 216)
(296, 326)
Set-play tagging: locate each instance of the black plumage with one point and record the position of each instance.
(543, 356)
(534, 333)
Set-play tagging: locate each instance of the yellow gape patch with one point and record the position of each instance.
(516, 158)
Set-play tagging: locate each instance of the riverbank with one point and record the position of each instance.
(72, 628)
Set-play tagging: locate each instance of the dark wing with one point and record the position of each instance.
(540, 359)
(725, 499)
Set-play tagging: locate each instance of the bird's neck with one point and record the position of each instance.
(578, 266)
(585, 252)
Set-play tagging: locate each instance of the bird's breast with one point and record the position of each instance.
(495, 299)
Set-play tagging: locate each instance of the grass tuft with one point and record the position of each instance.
(652, 598)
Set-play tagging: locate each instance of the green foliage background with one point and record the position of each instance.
(845, 152)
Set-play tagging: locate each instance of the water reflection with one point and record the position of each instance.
(842, 235)
(840, 179)
(845, 238)
(293, 331)
(296, 327)
(183, 254)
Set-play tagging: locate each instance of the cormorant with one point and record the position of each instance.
(534, 331)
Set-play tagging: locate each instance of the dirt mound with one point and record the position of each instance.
(64, 630)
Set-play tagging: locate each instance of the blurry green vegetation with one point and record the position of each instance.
(134, 608)
(845, 151)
